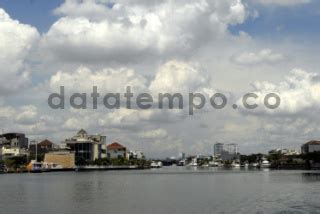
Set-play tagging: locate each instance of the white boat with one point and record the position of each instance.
(193, 162)
(155, 164)
(265, 164)
(236, 165)
(182, 163)
(213, 164)
(254, 165)
(35, 167)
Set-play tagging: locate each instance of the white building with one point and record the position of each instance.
(116, 150)
(87, 147)
(135, 155)
(7, 152)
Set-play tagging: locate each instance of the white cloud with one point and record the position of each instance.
(107, 80)
(16, 42)
(265, 56)
(299, 93)
(27, 119)
(155, 133)
(178, 77)
(92, 32)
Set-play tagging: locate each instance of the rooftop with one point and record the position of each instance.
(313, 142)
(115, 145)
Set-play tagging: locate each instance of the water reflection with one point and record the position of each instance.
(311, 176)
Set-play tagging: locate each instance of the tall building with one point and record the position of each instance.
(231, 148)
(226, 151)
(86, 147)
(218, 148)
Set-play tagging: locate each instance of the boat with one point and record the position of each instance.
(265, 164)
(182, 163)
(35, 167)
(254, 165)
(194, 162)
(235, 165)
(155, 164)
(51, 167)
(213, 164)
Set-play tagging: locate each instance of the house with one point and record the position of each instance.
(86, 147)
(116, 150)
(17, 140)
(135, 155)
(13, 145)
(43, 147)
(310, 147)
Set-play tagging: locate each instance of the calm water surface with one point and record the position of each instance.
(168, 190)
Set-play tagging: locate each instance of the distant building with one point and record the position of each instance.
(13, 144)
(226, 151)
(116, 150)
(311, 146)
(86, 147)
(182, 156)
(231, 148)
(218, 148)
(17, 140)
(8, 152)
(43, 147)
(287, 152)
(132, 155)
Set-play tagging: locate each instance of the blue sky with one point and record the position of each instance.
(300, 21)
(34, 12)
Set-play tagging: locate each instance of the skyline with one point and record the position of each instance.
(231, 47)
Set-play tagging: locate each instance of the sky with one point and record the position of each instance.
(232, 47)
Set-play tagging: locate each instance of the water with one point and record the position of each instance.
(167, 190)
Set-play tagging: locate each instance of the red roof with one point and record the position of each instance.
(45, 143)
(115, 145)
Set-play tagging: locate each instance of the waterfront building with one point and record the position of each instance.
(13, 145)
(116, 150)
(287, 152)
(218, 149)
(41, 148)
(8, 152)
(14, 140)
(311, 146)
(231, 148)
(62, 158)
(86, 147)
(226, 151)
(135, 155)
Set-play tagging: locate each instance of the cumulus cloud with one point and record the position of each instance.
(284, 2)
(126, 31)
(265, 56)
(155, 133)
(27, 119)
(16, 42)
(178, 77)
(107, 80)
(299, 92)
